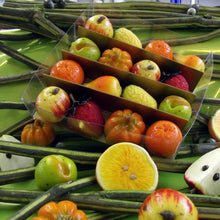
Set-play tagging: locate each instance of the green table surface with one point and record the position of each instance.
(38, 49)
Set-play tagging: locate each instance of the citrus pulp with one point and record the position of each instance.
(214, 125)
(127, 166)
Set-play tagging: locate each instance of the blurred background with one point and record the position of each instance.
(211, 3)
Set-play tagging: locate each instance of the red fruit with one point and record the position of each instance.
(87, 120)
(178, 81)
(100, 24)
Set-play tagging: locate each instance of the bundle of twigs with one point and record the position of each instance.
(34, 17)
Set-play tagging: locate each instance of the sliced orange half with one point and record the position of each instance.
(214, 125)
(126, 166)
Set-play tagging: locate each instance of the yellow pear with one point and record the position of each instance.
(137, 94)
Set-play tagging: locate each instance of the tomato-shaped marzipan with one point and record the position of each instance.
(38, 133)
(62, 210)
(118, 58)
(124, 125)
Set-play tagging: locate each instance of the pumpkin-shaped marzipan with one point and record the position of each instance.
(38, 133)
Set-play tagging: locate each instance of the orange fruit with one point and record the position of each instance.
(214, 125)
(126, 166)
(162, 138)
(161, 48)
(68, 70)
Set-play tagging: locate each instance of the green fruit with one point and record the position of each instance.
(176, 105)
(54, 169)
(127, 36)
(86, 48)
(137, 94)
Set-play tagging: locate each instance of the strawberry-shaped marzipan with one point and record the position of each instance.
(86, 118)
(178, 81)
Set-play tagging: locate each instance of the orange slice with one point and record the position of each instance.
(126, 166)
(214, 125)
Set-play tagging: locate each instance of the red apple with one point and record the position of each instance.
(86, 48)
(52, 104)
(147, 68)
(168, 204)
(190, 60)
(101, 24)
(176, 105)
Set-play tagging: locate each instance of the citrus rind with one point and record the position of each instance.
(214, 125)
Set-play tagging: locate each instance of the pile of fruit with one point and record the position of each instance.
(86, 117)
(126, 167)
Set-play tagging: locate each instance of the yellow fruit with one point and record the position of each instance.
(137, 94)
(127, 36)
(108, 84)
(214, 125)
(126, 166)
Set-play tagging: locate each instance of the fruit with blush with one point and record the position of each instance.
(86, 119)
(176, 105)
(203, 174)
(147, 68)
(190, 60)
(178, 81)
(107, 84)
(85, 47)
(101, 24)
(167, 204)
(52, 104)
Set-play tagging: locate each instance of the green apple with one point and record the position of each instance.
(169, 204)
(176, 105)
(147, 68)
(54, 169)
(85, 47)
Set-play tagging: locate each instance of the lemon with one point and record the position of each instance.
(127, 36)
(214, 125)
(137, 94)
(126, 166)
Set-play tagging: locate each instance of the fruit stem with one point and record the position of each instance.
(51, 194)
(120, 201)
(18, 56)
(17, 126)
